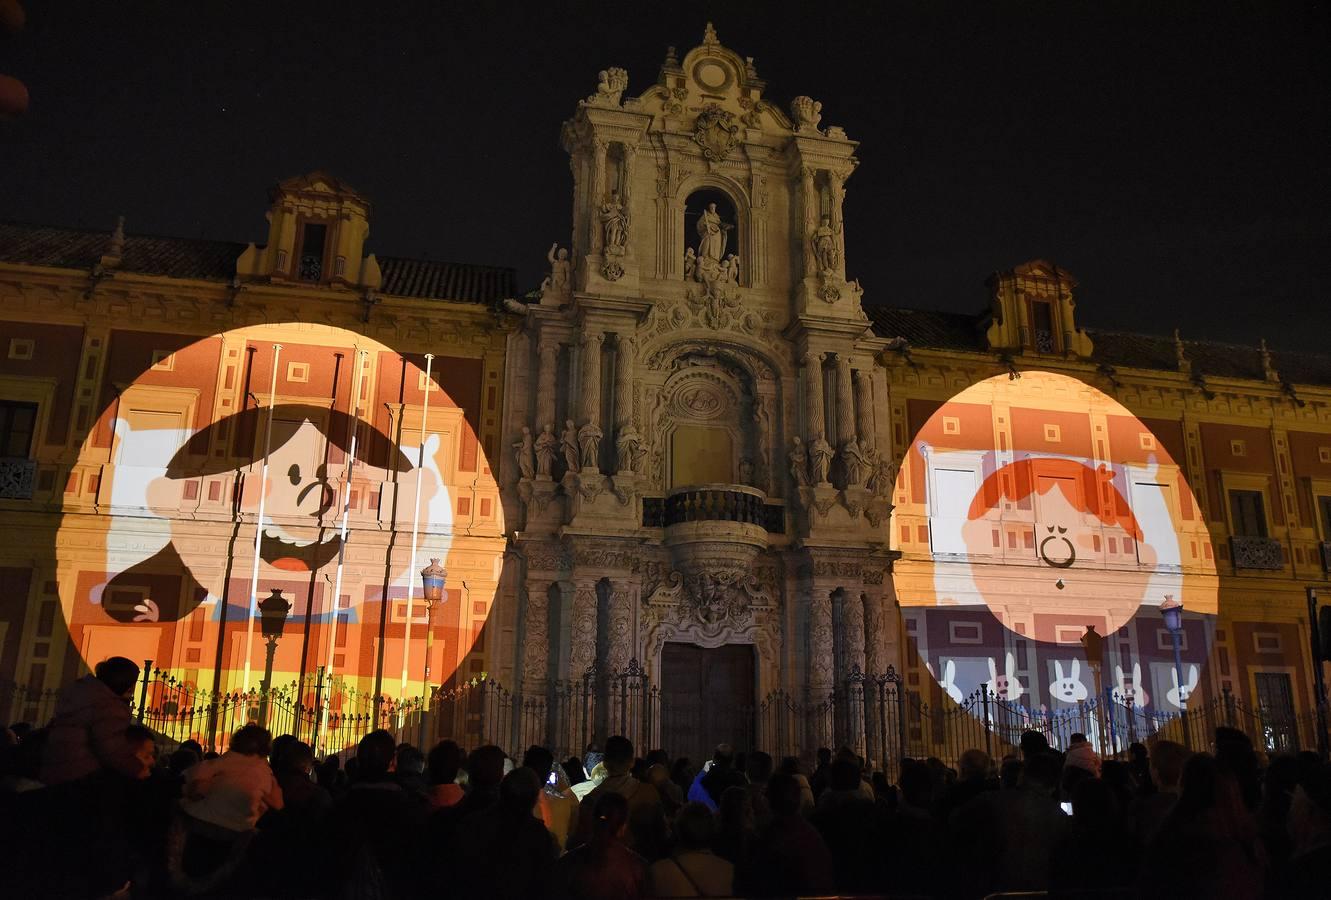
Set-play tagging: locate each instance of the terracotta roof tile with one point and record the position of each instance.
(454, 281)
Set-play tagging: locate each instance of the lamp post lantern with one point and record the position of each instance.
(1094, 645)
(432, 579)
(1172, 612)
(273, 612)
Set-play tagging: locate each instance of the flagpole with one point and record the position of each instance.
(352, 422)
(258, 525)
(415, 529)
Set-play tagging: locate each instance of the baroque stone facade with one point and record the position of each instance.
(688, 335)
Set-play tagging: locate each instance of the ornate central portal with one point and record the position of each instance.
(707, 698)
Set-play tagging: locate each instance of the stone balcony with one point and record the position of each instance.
(1256, 553)
(17, 478)
(716, 527)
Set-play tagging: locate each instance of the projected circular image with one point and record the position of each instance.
(329, 442)
(1033, 509)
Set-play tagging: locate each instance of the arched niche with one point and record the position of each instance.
(706, 421)
(727, 231)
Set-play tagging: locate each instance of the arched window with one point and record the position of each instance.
(711, 237)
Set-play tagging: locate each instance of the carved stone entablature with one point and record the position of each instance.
(546, 557)
(611, 559)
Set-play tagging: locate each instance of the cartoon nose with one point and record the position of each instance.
(325, 498)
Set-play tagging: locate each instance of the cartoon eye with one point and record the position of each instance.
(1049, 528)
(1062, 530)
(293, 474)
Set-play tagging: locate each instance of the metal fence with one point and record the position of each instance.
(876, 715)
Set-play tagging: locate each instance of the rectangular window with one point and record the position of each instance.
(312, 252)
(1042, 326)
(1247, 514)
(17, 421)
(1324, 514)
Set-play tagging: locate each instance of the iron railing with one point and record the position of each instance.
(879, 717)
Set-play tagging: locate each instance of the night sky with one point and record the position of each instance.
(1175, 157)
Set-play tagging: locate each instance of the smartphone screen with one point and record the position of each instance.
(552, 779)
(1066, 807)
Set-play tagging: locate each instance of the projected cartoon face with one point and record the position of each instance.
(1033, 509)
(302, 495)
(165, 566)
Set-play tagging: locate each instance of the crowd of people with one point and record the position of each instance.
(94, 806)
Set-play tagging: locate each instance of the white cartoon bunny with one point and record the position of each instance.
(1133, 691)
(949, 682)
(1005, 686)
(1174, 695)
(1068, 689)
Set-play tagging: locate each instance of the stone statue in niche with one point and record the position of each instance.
(525, 451)
(825, 250)
(545, 451)
(611, 84)
(690, 264)
(807, 113)
(799, 462)
(589, 440)
(569, 444)
(628, 449)
(711, 236)
(820, 458)
(880, 479)
(855, 461)
(614, 224)
(556, 284)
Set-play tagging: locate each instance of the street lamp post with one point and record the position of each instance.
(432, 579)
(273, 612)
(1093, 643)
(1172, 612)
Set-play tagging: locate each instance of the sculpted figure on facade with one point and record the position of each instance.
(690, 264)
(799, 462)
(615, 224)
(880, 479)
(525, 451)
(820, 458)
(611, 84)
(628, 449)
(545, 448)
(569, 444)
(556, 285)
(825, 246)
(589, 440)
(855, 461)
(807, 113)
(711, 236)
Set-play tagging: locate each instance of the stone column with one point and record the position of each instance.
(597, 194)
(809, 200)
(547, 372)
(591, 377)
(536, 637)
(813, 394)
(626, 179)
(864, 410)
(851, 623)
(845, 402)
(821, 643)
(582, 631)
(837, 190)
(625, 348)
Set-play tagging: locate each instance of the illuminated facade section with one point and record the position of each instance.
(1046, 507)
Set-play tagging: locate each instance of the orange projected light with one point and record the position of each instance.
(1029, 509)
(161, 560)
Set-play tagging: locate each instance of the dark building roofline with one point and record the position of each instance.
(936, 330)
(213, 260)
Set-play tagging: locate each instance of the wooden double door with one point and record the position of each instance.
(707, 698)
